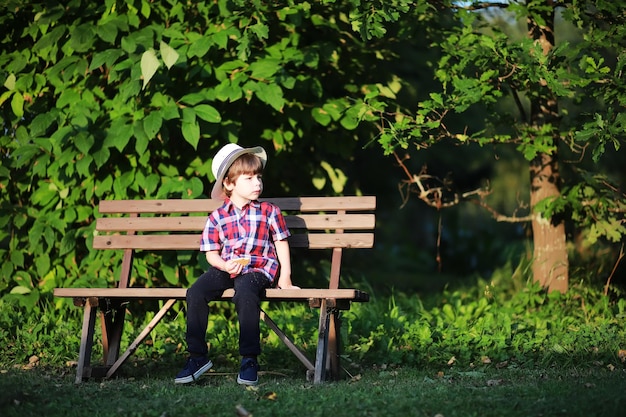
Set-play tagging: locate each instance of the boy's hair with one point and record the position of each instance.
(246, 164)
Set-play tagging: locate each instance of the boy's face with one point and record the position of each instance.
(246, 187)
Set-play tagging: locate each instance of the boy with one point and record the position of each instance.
(245, 244)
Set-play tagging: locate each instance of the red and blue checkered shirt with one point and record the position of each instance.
(246, 233)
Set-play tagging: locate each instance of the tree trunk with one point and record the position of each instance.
(550, 262)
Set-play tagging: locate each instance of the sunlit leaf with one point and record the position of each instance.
(17, 104)
(149, 66)
(169, 55)
(9, 83)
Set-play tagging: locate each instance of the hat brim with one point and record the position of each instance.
(217, 192)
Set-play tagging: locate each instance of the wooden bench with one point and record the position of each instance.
(332, 223)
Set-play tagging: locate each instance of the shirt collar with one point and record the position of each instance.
(230, 206)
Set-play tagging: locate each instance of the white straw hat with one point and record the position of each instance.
(224, 158)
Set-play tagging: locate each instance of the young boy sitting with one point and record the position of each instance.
(245, 244)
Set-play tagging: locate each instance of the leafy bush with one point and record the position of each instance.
(501, 323)
(489, 323)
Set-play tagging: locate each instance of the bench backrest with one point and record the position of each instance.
(315, 222)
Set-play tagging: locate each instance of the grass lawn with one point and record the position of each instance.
(377, 391)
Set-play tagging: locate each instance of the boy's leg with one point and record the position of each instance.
(248, 289)
(207, 288)
(247, 298)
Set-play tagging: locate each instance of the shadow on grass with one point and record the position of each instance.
(376, 391)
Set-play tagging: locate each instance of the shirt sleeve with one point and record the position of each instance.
(211, 234)
(277, 224)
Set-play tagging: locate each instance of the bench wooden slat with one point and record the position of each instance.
(192, 241)
(190, 223)
(302, 204)
(180, 293)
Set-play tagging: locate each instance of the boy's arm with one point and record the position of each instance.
(284, 258)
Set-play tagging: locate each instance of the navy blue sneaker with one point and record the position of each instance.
(248, 372)
(193, 369)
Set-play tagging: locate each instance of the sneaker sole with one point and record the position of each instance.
(246, 382)
(195, 375)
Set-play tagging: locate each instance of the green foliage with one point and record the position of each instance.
(491, 82)
(130, 99)
(505, 322)
(492, 324)
(594, 204)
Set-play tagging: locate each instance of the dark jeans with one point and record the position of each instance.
(209, 287)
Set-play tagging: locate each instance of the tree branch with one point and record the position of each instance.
(437, 193)
(619, 259)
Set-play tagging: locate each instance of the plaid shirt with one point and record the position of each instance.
(248, 233)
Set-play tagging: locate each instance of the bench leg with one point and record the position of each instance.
(322, 344)
(83, 368)
(144, 333)
(287, 341)
(112, 323)
(334, 345)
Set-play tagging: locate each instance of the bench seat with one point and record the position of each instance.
(271, 294)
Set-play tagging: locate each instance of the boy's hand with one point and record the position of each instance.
(288, 287)
(284, 283)
(233, 267)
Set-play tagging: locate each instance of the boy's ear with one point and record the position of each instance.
(228, 185)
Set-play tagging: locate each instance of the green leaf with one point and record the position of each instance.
(21, 290)
(105, 58)
(349, 122)
(335, 109)
(271, 94)
(9, 83)
(321, 116)
(17, 104)
(169, 55)
(68, 97)
(84, 142)
(227, 91)
(42, 122)
(5, 96)
(193, 98)
(42, 263)
(141, 139)
(118, 134)
(17, 258)
(191, 133)
(24, 155)
(107, 31)
(264, 68)
(101, 157)
(44, 193)
(82, 37)
(48, 282)
(152, 124)
(171, 275)
(208, 113)
(122, 183)
(200, 47)
(260, 30)
(149, 66)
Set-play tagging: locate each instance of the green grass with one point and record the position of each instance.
(376, 391)
(502, 348)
